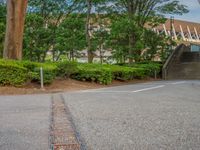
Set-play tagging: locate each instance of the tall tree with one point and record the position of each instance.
(2, 26)
(53, 13)
(71, 36)
(92, 6)
(16, 10)
(146, 11)
(87, 30)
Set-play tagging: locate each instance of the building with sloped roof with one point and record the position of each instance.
(184, 31)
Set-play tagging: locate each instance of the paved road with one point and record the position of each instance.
(150, 116)
(24, 122)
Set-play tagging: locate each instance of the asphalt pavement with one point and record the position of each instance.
(162, 115)
(24, 122)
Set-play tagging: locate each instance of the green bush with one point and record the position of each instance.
(12, 74)
(104, 74)
(18, 72)
(125, 73)
(33, 70)
(66, 69)
(92, 72)
(49, 72)
(150, 68)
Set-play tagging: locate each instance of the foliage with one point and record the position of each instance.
(138, 14)
(65, 27)
(126, 73)
(121, 28)
(94, 73)
(2, 26)
(70, 36)
(105, 74)
(37, 38)
(49, 71)
(156, 45)
(66, 69)
(12, 73)
(31, 71)
(18, 72)
(42, 21)
(150, 68)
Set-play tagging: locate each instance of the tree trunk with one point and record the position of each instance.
(101, 53)
(131, 48)
(88, 38)
(16, 10)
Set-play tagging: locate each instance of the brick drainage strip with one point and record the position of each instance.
(62, 132)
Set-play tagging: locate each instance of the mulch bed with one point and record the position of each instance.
(61, 85)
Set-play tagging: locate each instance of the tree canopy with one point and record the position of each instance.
(66, 27)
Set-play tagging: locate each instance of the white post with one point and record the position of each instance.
(182, 34)
(175, 36)
(190, 36)
(164, 27)
(195, 30)
(169, 33)
(155, 74)
(41, 78)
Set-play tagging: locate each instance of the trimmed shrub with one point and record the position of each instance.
(149, 68)
(94, 73)
(49, 72)
(66, 69)
(104, 74)
(33, 70)
(125, 73)
(12, 74)
(18, 72)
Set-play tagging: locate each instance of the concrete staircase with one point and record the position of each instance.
(182, 64)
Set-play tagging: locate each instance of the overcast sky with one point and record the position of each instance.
(194, 8)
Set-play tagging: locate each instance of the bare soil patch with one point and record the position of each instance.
(61, 85)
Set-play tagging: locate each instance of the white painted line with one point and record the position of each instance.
(147, 89)
(95, 91)
(181, 82)
(141, 90)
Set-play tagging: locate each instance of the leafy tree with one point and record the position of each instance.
(97, 6)
(119, 38)
(154, 43)
(99, 40)
(37, 38)
(143, 12)
(42, 28)
(2, 25)
(71, 36)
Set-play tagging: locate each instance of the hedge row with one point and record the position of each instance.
(12, 74)
(93, 72)
(19, 72)
(105, 74)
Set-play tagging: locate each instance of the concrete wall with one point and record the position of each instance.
(183, 64)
